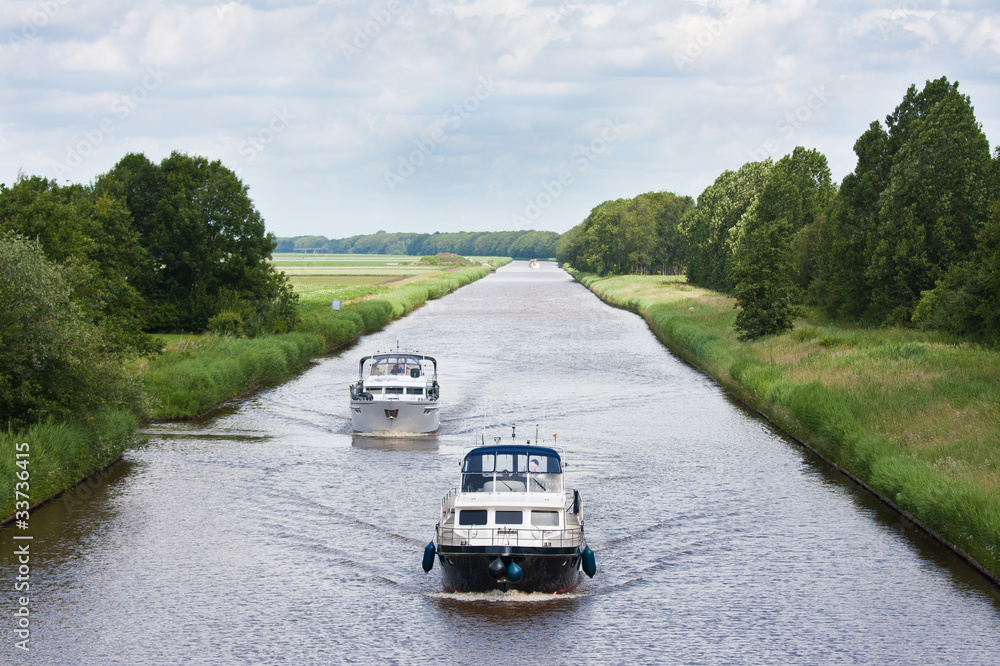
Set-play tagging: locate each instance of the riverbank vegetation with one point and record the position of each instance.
(913, 417)
(61, 452)
(864, 319)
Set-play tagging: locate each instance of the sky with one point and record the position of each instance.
(345, 118)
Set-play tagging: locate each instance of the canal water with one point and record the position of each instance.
(270, 534)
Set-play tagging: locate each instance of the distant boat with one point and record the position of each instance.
(396, 392)
(512, 525)
(533, 263)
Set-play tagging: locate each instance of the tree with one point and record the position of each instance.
(761, 267)
(208, 246)
(670, 249)
(966, 301)
(911, 209)
(638, 235)
(935, 204)
(91, 234)
(53, 360)
(706, 226)
(770, 246)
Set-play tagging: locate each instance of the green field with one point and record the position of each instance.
(351, 271)
(337, 280)
(299, 259)
(318, 279)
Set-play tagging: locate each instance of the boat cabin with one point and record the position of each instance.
(400, 366)
(512, 469)
(397, 376)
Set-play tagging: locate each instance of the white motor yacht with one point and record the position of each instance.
(511, 525)
(396, 392)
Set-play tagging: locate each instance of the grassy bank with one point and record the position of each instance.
(186, 381)
(916, 419)
(60, 454)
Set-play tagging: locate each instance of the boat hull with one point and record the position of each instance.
(547, 570)
(394, 416)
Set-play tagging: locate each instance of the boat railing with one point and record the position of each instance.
(447, 498)
(533, 536)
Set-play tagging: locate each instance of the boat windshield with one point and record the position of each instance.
(395, 365)
(509, 469)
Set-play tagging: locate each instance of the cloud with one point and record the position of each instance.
(700, 86)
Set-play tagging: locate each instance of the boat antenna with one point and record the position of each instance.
(513, 429)
(543, 421)
(536, 433)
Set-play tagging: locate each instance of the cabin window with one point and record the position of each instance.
(543, 464)
(475, 483)
(509, 517)
(414, 391)
(545, 518)
(472, 517)
(512, 462)
(374, 390)
(393, 390)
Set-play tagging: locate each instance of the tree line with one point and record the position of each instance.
(88, 272)
(528, 244)
(911, 237)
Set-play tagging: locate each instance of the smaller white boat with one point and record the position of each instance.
(533, 263)
(396, 392)
(511, 525)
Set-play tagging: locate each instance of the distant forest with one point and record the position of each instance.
(517, 244)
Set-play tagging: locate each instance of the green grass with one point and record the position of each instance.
(179, 338)
(308, 281)
(60, 454)
(914, 417)
(186, 382)
(346, 271)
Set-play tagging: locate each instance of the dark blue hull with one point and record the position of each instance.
(548, 570)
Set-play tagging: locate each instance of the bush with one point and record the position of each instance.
(226, 322)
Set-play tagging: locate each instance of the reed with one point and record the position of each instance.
(915, 417)
(182, 383)
(62, 453)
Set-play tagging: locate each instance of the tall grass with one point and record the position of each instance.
(915, 418)
(187, 382)
(60, 454)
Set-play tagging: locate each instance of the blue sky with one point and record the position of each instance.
(349, 117)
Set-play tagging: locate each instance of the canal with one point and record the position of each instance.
(270, 534)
